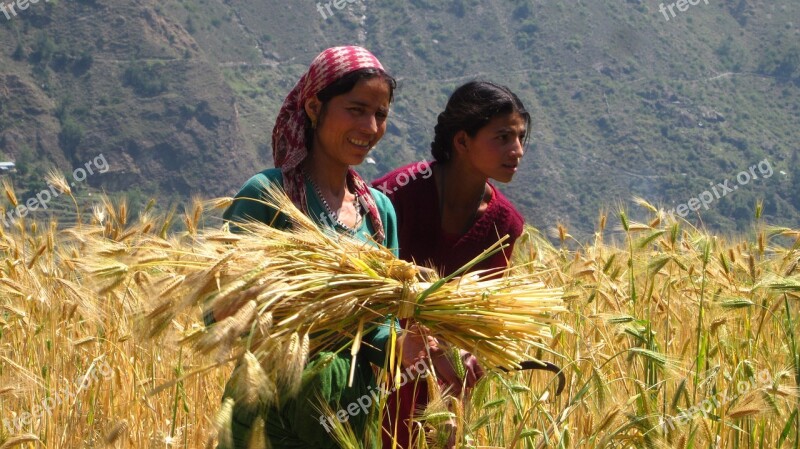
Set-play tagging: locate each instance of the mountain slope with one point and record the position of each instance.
(126, 81)
(625, 102)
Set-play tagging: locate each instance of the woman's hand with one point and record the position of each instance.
(447, 372)
(418, 344)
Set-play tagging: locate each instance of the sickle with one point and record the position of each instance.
(544, 366)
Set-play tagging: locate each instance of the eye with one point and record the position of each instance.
(382, 115)
(356, 110)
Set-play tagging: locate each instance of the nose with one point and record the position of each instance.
(518, 149)
(370, 124)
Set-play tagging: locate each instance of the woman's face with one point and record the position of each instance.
(351, 124)
(496, 149)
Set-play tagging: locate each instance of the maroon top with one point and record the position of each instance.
(412, 190)
(422, 240)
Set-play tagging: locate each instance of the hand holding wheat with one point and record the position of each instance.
(458, 369)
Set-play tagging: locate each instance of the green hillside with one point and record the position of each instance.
(180, 95)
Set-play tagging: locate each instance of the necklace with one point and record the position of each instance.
(332, 214)
(441, 205)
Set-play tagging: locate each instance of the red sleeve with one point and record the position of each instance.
(412, 192)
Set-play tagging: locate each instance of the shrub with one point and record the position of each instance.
(145, 79)
(71, 134)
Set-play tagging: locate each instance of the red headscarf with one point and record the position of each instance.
(288, 136)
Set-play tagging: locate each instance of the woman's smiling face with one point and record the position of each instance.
(351, 124)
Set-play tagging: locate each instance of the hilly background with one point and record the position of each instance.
(180, 96)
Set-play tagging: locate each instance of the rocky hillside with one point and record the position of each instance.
(629, 99)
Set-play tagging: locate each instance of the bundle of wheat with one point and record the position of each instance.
(680, 337)
(277, 289)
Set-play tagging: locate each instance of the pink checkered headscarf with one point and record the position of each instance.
(288, 136)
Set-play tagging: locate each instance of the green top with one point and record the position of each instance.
(243, 209)
(296, 423)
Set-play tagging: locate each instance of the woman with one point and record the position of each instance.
(329, 122)
(448, 211)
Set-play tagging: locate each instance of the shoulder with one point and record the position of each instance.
(382, 201)
(388, 217)
(504, 208)
(270, 176)
(407, 178)
(248, 203)
(386, 208)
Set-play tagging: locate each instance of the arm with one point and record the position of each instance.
(374, 344)
(301, 415)
(247, 206)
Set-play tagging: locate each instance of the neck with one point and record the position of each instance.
(462, 186)
(329, 175)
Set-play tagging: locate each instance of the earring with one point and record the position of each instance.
(313, 124)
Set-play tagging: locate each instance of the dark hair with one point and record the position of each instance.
(470, 108)
(344, 85)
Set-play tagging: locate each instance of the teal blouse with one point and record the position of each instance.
(297, 423)
(243, 209)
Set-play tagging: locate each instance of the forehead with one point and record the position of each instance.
(368, 92)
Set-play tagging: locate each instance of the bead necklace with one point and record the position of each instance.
(332, 214)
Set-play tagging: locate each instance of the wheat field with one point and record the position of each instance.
(670, 337)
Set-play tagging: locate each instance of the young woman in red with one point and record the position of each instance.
(447, 210)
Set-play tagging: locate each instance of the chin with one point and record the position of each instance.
(354, 161)
(505, 179)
